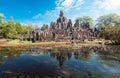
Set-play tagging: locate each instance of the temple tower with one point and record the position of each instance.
(62, 21)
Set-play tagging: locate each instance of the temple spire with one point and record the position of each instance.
(61, 13)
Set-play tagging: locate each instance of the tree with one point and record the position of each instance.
(20, 28)
(112, 33)
(108, 20)
(9, 31)
(13, 30)
(28, 28)
(86, 19)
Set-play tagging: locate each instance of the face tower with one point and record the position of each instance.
(62, 21)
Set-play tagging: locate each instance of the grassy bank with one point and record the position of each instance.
(18, 43)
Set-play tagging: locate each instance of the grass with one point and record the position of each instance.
(18, 43)
(96, 41)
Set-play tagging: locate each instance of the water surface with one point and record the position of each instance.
(85, 62)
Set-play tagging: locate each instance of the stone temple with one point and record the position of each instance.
(62, 30)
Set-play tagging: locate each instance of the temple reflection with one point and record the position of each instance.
(109, 56)
(61, 55)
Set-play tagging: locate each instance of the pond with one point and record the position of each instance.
(84, 62)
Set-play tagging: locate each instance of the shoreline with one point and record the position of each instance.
(46, 44)
(27, 44)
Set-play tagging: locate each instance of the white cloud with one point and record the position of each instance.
(58, 2)
(102, 7)
(108, 4)
(34, 23)
(71, 8)
(111, 4)
(37, 16)
(78, 3)
(67, 3)
(75, 8)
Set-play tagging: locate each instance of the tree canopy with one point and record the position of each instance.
(86, 19)
(111, 23)
(13, 30)
(112, 33)
(108, 20)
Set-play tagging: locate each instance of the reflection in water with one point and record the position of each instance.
(85, 62)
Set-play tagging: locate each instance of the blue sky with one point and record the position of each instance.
(38, 12)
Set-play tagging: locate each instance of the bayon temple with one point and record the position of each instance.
(62, 30)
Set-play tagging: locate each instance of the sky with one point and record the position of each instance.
(38, 12)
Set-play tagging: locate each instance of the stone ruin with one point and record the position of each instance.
(62, 30)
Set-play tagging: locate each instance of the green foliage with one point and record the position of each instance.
(13, 30)
(112, 33)
(86, 19)
(21, 29)
(9, 31)
(29, 27)
(111, 23)
(108, 20)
